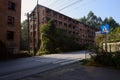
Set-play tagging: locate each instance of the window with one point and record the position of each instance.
(77, 33)
(60, 23)
(69, 25)
(73, 32)
(65, 24)
(48, 10)
(31, 26)
(70, 32)
(11, 20)
(31, 33)
(10, 35)
(54, 14)
(48, 19)
(11, 5)
(34, 34)
(73, 27)
(69, 19)
(30, 40)
(60, 16)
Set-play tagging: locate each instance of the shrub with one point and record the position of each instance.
(104, 59)
(116, 59)
(54, 40)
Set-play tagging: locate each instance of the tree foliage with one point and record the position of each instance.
(114, 35)
(55, 40)
(112, 23)
(100, 38)
(24, 35)
(94, 21)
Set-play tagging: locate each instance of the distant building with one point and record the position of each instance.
(84, 34)
(10, 17)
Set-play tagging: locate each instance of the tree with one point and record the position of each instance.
(54, 40)
(112, 23)
(83, 20)
(48, 37)
(99, 39)
(92, 20)
(90, 15)
(115, 34)
(24, 35)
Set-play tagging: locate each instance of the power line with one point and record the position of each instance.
(70, 5)
(53, 2)
(77, 7)
(62, 4)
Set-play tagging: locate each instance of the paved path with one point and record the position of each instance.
(15, 69)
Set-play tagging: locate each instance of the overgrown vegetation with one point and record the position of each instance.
(54, 40)
(115, 34)
(99, 57)
(24, 35)
(109, 59)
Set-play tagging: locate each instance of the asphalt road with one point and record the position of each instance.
(16, 69)
(76, 71)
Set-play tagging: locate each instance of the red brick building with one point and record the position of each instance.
(10, 15)
(41, 15)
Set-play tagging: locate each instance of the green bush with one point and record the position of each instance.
(105, 59)
(116, 59)
(54, 40)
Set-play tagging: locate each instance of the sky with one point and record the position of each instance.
(101, 8)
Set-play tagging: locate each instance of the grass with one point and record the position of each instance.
(90, 62)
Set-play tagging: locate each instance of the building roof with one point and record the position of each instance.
(38, 5)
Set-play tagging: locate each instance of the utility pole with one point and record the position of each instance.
(38, 25)
(35, 21)
(33, 15)
(106, 46)
(28, 33)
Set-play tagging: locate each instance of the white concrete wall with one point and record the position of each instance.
(112, 47)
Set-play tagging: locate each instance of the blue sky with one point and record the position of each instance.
(102, 8)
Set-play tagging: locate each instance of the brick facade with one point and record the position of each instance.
(10, 15)
(83, 33)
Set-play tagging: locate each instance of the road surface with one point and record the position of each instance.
(19, 68)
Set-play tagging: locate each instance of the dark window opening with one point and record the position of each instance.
(65, 18)
(69, 25)
(48, 19)
(60, 16)
(65, 24)
(69, 19)
(60, 23)
(54, 14)
(73, 32)
(70, 32)
(11, 5)
(10, 35)
(48, 11)
(73, 27)
(11, 20)
(31, 40)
